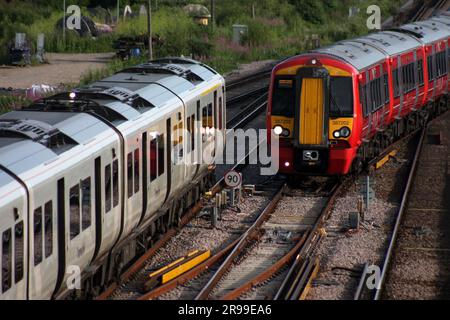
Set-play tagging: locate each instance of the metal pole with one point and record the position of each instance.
(149, 25)
(64, 23)
(213, 17)
(118, 13)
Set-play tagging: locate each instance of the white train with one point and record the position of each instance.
(89, 178)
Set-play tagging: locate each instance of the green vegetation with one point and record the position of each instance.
(10, 102)
(277, 28)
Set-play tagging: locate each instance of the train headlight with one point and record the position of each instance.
(286, 133)
(336, 134)
(345, 132)
(278, 130)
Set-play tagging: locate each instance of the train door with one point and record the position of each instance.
(134, 183)
(190, 139)
(178, 153)
(44, 257)
(311, 115)
(13, 243)
(157, 172)
(79, 225)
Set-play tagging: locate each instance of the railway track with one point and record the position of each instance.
(255, 107)
(362, 289)
(287, 230)
(430, 8)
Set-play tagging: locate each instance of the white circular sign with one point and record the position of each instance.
(233, 179)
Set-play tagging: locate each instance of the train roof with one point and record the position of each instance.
(427, 31)
(354, 53)
(391, 42)
(30, 138)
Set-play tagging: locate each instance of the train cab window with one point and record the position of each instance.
(86, 203)
(115, 183)
(130, 174)
(37, 236)
(48, 229)
(153, 159)
(108, 185)
(136, 171)
(283, 99)
(341, 102)
(6, 260)
(18, 251)
(74, 201)
(161, 151)
(420, 71)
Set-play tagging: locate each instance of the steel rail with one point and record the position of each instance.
(250, 234)
(246, 95)
(399, 218)
(290, 283)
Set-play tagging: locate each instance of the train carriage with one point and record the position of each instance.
(337, 107)
(88, 176)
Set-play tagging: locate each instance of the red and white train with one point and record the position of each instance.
(341, 105)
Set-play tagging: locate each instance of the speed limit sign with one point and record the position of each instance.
(233, 179)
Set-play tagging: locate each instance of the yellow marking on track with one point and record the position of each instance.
(314, 274)
(188, 265)
(383, 161)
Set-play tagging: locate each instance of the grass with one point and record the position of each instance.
(280, 28)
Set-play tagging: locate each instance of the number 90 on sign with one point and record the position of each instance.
(233, 179)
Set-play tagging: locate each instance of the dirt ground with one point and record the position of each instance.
(62, 68)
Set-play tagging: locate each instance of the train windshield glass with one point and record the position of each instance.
(283, 99)
(341, 97)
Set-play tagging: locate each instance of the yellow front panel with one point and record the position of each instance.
(311, 111)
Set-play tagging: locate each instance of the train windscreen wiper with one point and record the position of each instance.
(336, 104)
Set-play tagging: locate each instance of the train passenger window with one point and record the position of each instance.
(205, 118)
(341, 104)
(420, 71)
(153, 160)
(48, 229)
(86, 203)
(115, 183)
(189, 131)
(430, 68)
(362, 98)
(74, 200)
(108, 185)
(210, 116)
(161, 151)
(396, 82)
(220, 113)
(6, 260)
(441, 64)
(37, 236)
(386, 88)
(216, 125)
(283, 99)
(136, 171)
(18, 251)
(193, 133)
(130, 174)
